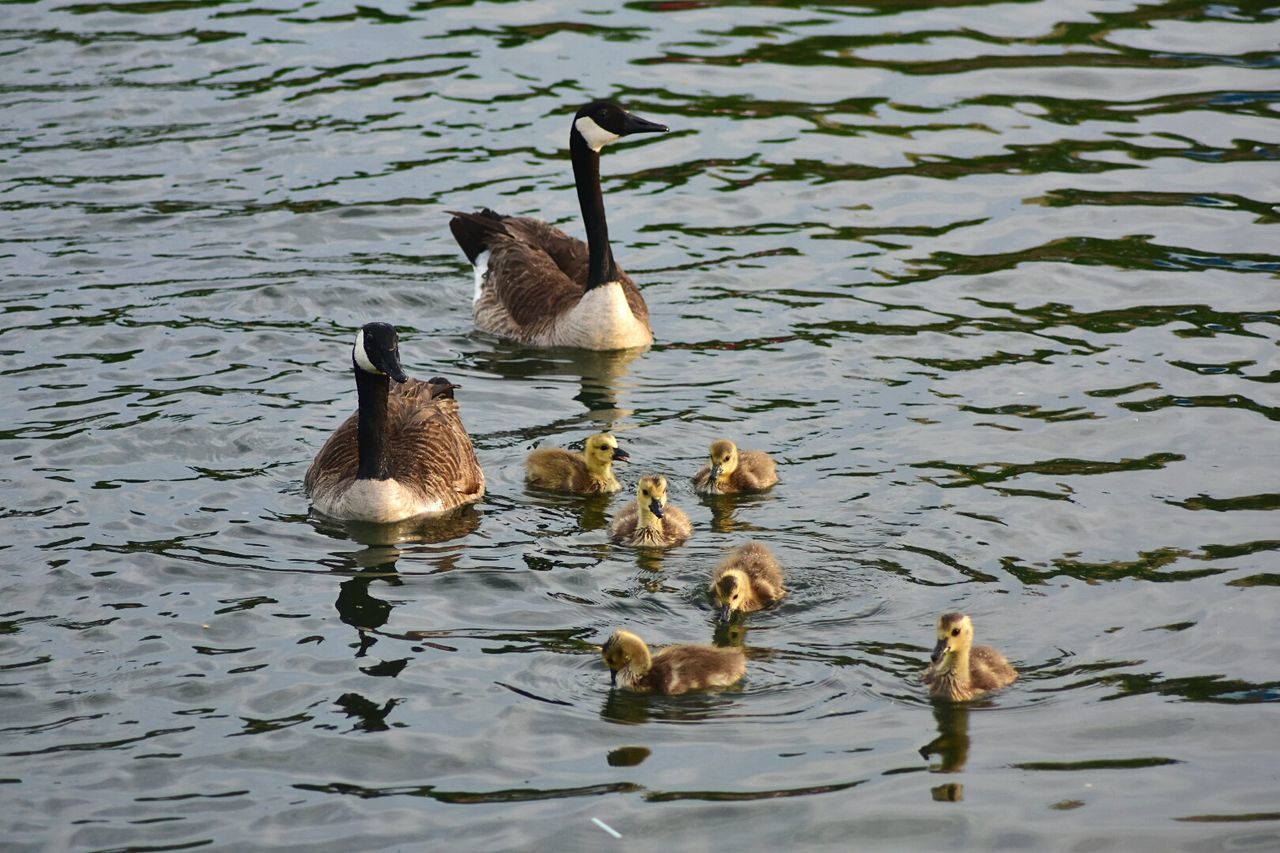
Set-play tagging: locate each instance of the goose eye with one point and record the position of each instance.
(955, 632)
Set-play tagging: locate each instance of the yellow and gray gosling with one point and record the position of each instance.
(404, 453)
(730, 470)
(961, 670)
(672, 670)
(589, 472)
(649, 520)
(748, 579)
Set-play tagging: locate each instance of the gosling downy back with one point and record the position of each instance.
(649, 520)
(589, 472)
(674, 669)
(729, 470)
(404, 453)
(748, 579)
(537, 285)
(960, 670)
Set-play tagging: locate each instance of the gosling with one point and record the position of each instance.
(674, 669)
(587, 473)
(649, 520)
(729, 471)
(748, 579)
(960, 670)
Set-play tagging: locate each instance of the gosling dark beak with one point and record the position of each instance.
(635, 124)
(613, 678)
(725, 613)
(655, 507)
(442, 388)
(620, 455)
(715, 473)
(939, 650)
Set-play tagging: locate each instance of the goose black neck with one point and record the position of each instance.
(371, 435)
(586, 175)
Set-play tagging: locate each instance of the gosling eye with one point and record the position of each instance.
(955, 632)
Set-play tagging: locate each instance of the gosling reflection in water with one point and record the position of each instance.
(372, 717)
(952, 742)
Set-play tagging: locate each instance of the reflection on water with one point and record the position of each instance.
(601, 377)
(952, 742)
(427, 530)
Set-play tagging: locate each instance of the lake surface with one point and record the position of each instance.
(996, 283)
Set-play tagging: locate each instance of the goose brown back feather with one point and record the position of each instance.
(430, 455)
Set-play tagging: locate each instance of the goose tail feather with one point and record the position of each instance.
(474, 230)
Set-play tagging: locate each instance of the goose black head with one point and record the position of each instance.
(377, 351)
(601, 122)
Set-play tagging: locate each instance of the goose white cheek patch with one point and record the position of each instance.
(597, 137)
(362, 357)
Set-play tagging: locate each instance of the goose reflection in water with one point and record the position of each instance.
(426, 530)
(600, 374)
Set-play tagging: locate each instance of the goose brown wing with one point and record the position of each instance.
(537, 272)
(429, 446)
(339, 459)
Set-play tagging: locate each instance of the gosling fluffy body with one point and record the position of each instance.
(649, 520)
(589, 472)
(960, 670)
(748, 579)
(730, 470)
(672, 670)
(404, 453)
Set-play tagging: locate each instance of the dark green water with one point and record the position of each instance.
(995, 282)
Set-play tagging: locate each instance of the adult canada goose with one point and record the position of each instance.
(589, 472)
(731, 470)
(404, 453)
(648, 520)
(537, 285)
(961, 670)
(672, 670)
(748, 579)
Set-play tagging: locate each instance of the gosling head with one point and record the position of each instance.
(620, 650)
(652, 494)
(602, 450)
(377, 351)
(729, 591)
(724, 458)
(440, 388)
(601, 122)
(955, 634)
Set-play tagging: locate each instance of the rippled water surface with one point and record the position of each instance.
(995, 282)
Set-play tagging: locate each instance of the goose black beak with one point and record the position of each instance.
(391, 366)
(725, 613)
(635, 124)
(620, 455)
(655, 507)
(939, 650)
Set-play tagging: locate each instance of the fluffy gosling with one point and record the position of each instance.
(730, 470)
(961, 670)
(649, 520)
(587, 473)
(748, 579)
(674, 669)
